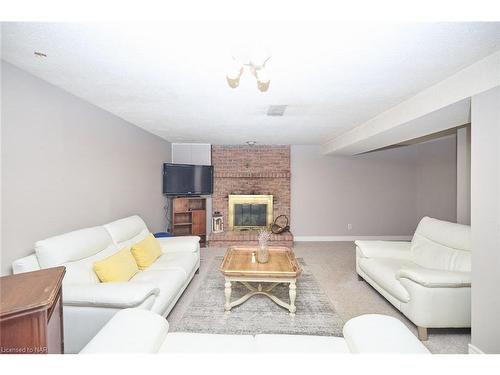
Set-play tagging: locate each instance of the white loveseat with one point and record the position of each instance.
(89, 304)
(427, 279)
(141, 331)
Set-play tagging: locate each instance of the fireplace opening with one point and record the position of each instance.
(250, 211)
(250, 215)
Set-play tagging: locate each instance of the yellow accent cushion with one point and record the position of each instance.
(120, 266)
(146, 251)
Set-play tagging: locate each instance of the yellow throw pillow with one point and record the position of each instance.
(146, 251)
(120, 266)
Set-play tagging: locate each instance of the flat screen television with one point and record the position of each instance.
(187, 179)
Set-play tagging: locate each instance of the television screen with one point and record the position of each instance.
(187, 179)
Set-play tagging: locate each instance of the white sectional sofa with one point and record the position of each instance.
(90, 304)
(141, 331)
(427, 279)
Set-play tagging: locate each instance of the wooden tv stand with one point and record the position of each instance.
(189, 217)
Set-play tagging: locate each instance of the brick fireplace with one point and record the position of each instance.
(250, 170)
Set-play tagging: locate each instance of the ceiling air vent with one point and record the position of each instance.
(276, 110)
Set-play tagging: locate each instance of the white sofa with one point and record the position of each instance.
(427, 279)
(141, 331)
(89, 304)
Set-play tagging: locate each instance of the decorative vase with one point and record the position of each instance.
(263, 251)
(263, 254)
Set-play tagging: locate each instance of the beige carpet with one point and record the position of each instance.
(333, 266)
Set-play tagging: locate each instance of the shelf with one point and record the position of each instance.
(189, 217)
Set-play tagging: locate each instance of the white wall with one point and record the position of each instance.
(197, 154)
(485, 220)
(192, 153)
(67, 164)
(383, 193)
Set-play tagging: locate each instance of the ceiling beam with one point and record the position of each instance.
(437, 108)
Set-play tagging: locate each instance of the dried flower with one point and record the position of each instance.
(264, 237)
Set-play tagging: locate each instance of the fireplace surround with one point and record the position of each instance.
(259, 170)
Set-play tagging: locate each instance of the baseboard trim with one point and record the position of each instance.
(473, 349)
(349, 238)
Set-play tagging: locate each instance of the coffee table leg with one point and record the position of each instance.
(227, 293)
(293, 295)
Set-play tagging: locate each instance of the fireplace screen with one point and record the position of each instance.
(250, 211)
(250, 215)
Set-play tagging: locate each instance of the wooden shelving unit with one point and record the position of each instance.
(189, 217)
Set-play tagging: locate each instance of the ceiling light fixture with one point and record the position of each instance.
(256, 67)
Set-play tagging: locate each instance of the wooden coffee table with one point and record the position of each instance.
(282, 267)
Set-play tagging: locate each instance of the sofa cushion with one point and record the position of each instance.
(442, 245)
(128, 231)
(299, 344)
(383, 271)
(120, 266)
(187, 262)
(181, 342)
(170, 283)
(146, 251)
(72, 246)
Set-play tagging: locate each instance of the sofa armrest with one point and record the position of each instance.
(383, 249)
(189, 244)
(116, 295)
(130, 331)
(374, 333)
(26, 264)
(435, 278)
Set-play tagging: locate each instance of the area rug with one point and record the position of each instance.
(315, 314)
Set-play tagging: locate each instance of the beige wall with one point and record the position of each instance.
(383, 193)
(436, 178)
(67, 164)
(485, 220)
(463, 174)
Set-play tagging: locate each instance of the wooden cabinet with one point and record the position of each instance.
(31, 319)
(189, 217)
(199, 219)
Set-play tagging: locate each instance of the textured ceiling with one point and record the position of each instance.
(169, 78)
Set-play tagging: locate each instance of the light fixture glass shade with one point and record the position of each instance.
(233, 82)
(263, 86)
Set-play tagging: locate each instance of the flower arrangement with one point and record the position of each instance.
(263, 252)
